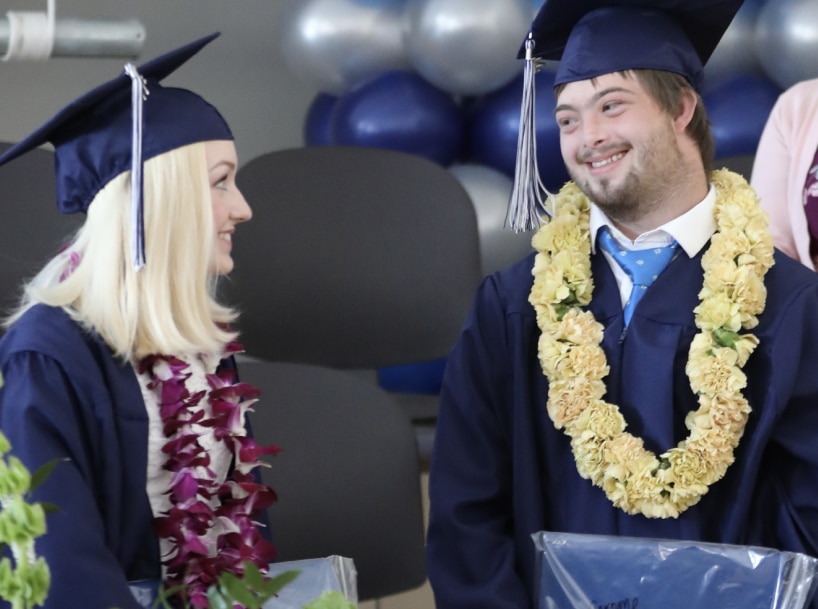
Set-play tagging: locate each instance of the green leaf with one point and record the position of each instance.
(48, 507)
(26, 584)
(215, 600)
(237, 590)
(253, 576)
(726, 338)
(331, 600)
(276, 583)
(39, 476)
(165, 595)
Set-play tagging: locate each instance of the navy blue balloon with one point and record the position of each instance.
(318, 121)
(423, 377)
(400, 111)
(738, 107)
(493, 123)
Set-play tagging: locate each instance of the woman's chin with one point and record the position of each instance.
(222, 266)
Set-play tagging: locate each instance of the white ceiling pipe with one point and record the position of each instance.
(86, 38)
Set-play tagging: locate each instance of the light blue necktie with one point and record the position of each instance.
(642, 266)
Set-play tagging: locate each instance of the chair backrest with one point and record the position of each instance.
(32, 230)
(355, 258)
(741, 164)
(348, 476)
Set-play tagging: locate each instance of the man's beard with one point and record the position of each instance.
(645, 186)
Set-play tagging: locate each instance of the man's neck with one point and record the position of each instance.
(675, 200)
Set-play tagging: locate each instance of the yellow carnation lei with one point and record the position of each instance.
(571, 356)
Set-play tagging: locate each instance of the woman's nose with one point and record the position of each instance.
(241, 211)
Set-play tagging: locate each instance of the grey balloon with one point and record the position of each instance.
(786, 40)
(334, 45)
(735, 52)
(490, 191)
(466, 47)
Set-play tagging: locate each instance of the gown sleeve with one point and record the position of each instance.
(471, 553)
(788, 499)
(45, 414)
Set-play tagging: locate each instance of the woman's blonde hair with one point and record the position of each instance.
(168, 307)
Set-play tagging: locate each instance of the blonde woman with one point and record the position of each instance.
(119, 360)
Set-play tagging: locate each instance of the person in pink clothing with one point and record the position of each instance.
(785, 172)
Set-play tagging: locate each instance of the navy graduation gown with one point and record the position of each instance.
(66, 397)
(500, 471)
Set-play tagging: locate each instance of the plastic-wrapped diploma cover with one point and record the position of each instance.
(601, 572)
(317, 575)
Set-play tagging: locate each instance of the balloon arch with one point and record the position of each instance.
(441, 79)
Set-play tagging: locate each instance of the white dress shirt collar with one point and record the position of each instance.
(692, 230)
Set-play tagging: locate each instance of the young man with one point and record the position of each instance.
(578, 399)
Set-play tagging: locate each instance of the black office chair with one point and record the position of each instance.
(357, 259)
(741, 164)
(32, 230)
(348, 476)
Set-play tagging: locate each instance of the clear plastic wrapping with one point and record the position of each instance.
(318, 575)
(601, 572)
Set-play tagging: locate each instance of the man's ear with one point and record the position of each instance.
(687, 106)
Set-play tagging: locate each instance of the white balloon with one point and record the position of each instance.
(490, 191)
(786, 40)
(466, 47)
(334, 45)
(735, 52)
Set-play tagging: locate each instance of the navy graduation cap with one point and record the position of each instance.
(119, 125)
(594, 37)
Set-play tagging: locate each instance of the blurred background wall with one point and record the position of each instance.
(242, 73)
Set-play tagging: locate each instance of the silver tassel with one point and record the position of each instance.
(526, 208)
(139, 92)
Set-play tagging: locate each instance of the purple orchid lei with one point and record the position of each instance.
(190, 566)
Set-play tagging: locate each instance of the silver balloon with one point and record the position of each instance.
(466, 47)
(490, 191)
(735, 53)
(335, 44)
(787, 40)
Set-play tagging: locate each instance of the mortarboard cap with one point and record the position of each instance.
(594, 37)
(119, 125)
